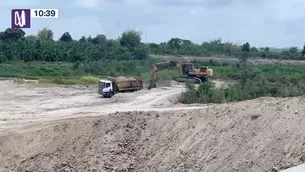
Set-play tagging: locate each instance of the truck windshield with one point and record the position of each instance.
(102, 84)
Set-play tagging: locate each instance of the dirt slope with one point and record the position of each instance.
(254, 135)
(247, 136)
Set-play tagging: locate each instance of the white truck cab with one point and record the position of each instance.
(106, 88)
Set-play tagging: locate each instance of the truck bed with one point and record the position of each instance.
(122, 83)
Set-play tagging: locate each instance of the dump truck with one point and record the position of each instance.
(112, 85)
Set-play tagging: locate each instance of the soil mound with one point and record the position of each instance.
(254, 135)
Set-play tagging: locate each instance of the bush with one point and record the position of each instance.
(275, 81)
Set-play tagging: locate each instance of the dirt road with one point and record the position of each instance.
(29, 103)
(230, 60)
(73, 129)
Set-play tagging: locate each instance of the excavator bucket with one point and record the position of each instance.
(152, 85)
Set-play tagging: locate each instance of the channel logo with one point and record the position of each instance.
(21, 18)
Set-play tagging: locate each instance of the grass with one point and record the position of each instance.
(75, 73)
(251, 82)
(71, 81)
(90, 79)
(46, 73)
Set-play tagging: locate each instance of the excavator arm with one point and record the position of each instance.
(190, 74)
(161, 66)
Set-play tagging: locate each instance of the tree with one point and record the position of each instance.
(293, 50)
(186, 42)
(245, 49)
(153, 45)
(31, 37)
(175, 43)
(82, 39)
(89, 39)
(45, 34)
(285, 53)
(253, 49)
(99, 39)
(15, 45)
(244, 57)
(12, 34)
(267, 50)
(130, 39)
(66, 37)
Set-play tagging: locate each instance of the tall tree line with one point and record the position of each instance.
(16, 45)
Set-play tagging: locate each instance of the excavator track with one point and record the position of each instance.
(187, 79)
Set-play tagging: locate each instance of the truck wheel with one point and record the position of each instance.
(111, 94)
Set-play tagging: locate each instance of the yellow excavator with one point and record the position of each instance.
(190, 74)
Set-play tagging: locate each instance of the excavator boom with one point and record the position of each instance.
(191, 75)
(161, 66)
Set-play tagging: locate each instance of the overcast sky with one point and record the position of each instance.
(274, 23)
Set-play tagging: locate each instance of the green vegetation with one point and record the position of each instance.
(252, 82)
(69, 61)
(78, 73)
(16, 45)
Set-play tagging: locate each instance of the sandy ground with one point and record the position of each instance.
(23, 104)
(74, 129)
(230, 60)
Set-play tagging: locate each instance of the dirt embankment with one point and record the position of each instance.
(253, 136)
(160, 135)
(230, 60)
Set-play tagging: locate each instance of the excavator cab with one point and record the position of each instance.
(203, 68)
(187, 68)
